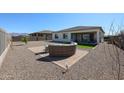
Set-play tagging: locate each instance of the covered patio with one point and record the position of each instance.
(84, 38)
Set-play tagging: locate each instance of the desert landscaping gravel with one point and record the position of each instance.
(22, 64)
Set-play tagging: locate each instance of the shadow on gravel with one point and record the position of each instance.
(51, 58)
(40, 53)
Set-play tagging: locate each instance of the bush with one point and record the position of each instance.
(24, 39)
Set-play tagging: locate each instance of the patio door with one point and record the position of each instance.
(86, 37)
(91, 36)
(74, 37)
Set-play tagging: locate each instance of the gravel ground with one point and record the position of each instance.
(22, 64)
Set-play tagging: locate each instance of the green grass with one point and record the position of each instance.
(85, 46)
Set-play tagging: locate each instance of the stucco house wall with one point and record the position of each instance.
(60, 37)
(99, 35)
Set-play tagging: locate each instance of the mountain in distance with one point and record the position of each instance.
(19, 34)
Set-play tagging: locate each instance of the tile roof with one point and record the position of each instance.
(77, 28)
(44, 31)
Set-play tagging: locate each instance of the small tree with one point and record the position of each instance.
(117, 41)
(24, 39)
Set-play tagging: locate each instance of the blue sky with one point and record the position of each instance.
(32, 22)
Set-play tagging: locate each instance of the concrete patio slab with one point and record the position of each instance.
(37, 49)
(64, 62)
(68, 62)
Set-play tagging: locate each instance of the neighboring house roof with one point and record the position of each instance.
(44, 32)
(19, 34)
(77, 28)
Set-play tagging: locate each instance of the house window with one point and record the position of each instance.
(34, 34)
(65, 36)
(40, 34)
(86, 37)
(56, 36)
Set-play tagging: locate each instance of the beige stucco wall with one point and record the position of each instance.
(60, 35)
(99, 36)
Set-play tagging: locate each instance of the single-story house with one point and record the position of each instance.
(42, 35)
(80, 34)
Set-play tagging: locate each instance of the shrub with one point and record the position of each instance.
(24, 39)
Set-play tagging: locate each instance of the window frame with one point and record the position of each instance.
(65, 36)
(56, 36)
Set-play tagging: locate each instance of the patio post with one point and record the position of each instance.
(97, 37)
